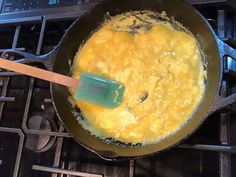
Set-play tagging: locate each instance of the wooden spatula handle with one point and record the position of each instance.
(38, 73)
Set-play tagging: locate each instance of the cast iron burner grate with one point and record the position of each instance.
(33, 143)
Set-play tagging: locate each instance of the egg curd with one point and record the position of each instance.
(161, 68)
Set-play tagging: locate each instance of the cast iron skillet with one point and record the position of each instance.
(59, 60)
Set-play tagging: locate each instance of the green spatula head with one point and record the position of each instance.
(99, 90)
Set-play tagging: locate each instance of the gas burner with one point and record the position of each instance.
(40, 143)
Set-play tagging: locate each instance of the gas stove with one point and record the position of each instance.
(33, 143)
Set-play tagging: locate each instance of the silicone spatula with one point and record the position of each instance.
(90, 87)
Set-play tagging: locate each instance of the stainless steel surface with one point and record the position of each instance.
(49, 13)
(23, 20)
(63, 171)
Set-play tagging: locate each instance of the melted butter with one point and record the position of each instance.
(159, 63)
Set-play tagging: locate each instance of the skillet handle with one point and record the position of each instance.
(221, 102)
(46, 60)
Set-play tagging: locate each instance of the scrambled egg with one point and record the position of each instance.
(160, 67)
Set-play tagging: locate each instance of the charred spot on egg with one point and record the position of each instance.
(144, 97)
(160, 64)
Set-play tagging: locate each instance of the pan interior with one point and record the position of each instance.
(149, 62)
(80, 32)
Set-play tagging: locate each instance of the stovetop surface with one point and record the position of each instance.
(33, 143)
